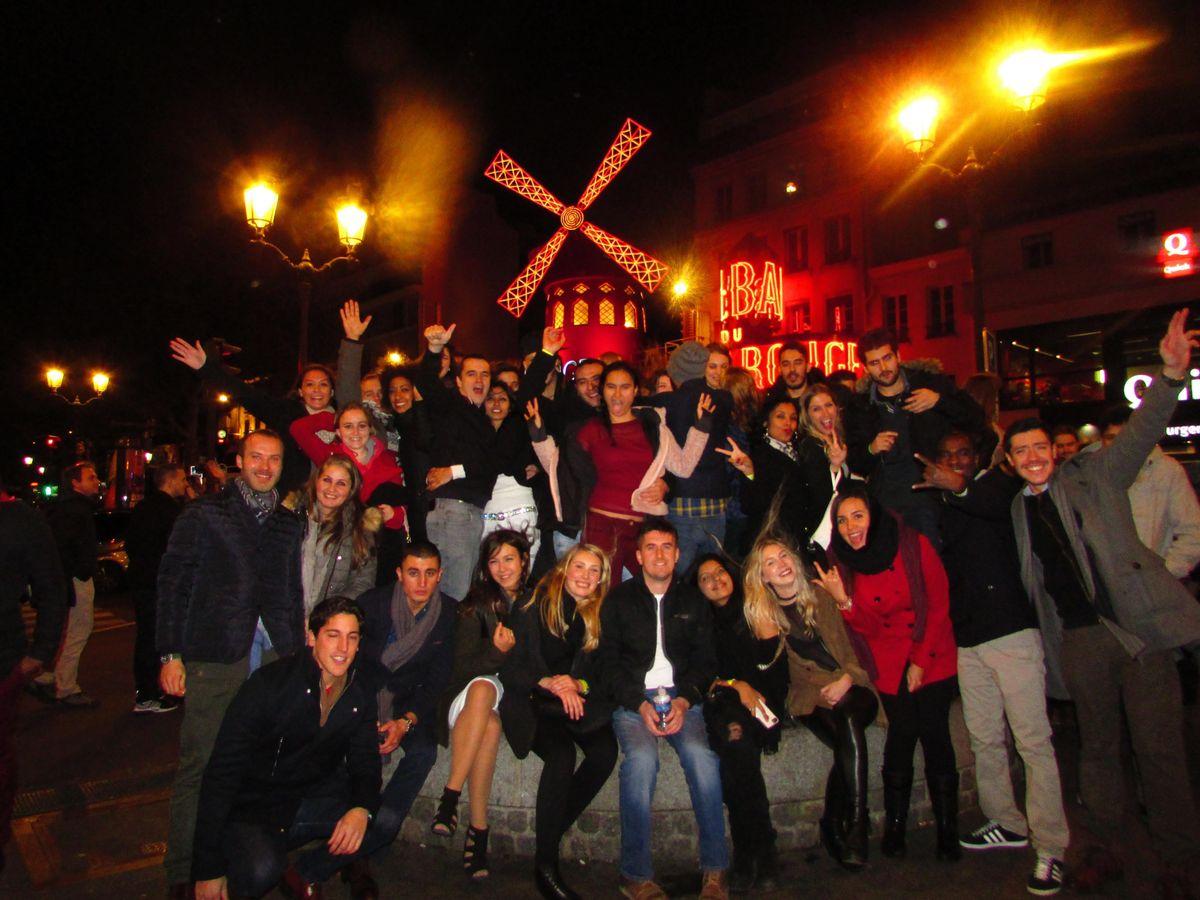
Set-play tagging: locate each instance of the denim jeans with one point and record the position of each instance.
(697, 535)
(639, 774)
(455, 528)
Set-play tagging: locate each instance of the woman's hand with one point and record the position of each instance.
(832, 582)
(748, 695)
(191, 355)
(704, 407)
(352, 324)
(572, 704)
(533, 414)
(655, 493)
(915, 677)
(738, 458)
(503, 639)
(836, 451)
(833, 692)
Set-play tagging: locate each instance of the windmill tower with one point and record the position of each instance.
(609, 308)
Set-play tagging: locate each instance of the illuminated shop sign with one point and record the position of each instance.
(1135, 387)
(1177, 253)
(762, 360)
(746, 291)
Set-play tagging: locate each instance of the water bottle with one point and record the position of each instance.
(662, 706)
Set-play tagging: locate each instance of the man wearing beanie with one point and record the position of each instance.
(697, 503)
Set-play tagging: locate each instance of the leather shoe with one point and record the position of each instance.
(362, 882)
(297, 888)
(550, 882)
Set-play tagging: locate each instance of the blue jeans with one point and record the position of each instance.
(639, 774)
(697, 535)
(420, 753)
(455, 528)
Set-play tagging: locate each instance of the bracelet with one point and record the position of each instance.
(584, 687)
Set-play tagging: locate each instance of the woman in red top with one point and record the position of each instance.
(892, 591)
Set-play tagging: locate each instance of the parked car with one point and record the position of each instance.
(112, 558)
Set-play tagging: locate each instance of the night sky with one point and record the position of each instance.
(134, 133)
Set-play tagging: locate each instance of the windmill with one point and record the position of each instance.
(645, 269)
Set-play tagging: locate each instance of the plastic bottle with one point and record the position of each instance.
(662, 707)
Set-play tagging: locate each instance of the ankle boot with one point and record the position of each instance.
(550, 882)
(855, 842)
(897, 792)
(767, 877)
(943, 795)
(744, 870)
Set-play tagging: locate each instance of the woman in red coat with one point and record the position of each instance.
(892, 591)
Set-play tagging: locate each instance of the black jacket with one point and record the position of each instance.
(222, 572)
(474, 655)
(28, 559)
(737, 654)
(987, 598)
(628, 632)
(775, 473)
(272, 753)
(463, 436)
(418, 685)
(710, 478)
(73, 522)
(150, 526)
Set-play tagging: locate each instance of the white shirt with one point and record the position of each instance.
(660, 674)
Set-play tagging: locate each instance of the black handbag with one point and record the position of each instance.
(596, 713)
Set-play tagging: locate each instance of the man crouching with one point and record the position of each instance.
(296, 760)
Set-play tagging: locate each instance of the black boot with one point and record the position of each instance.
(897, 792)
(744, 870)
(767, 878)
(832, 822)
(362, 882)
(943, 795)
(550, 882)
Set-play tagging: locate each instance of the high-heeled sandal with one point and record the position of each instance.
(475, 861)
(445, 820)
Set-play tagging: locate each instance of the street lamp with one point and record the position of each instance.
(54, 380)
(1024, 75)
(918, 124)
(261, 201)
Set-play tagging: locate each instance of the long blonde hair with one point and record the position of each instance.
(761, 603)
(549, 592)
(806, 422)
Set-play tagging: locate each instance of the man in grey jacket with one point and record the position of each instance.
(1111, 614)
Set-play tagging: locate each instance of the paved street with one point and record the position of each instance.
(92, 813)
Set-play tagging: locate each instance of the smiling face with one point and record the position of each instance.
(400, 394)
(315, 389)
(587, 383)
(657, 553)
(334, 484)
(354, 429)
(583, 575)
(261, 461)
(957, 453)
(497, 404)
(780, 570)
(335, 645)
(716, 369)
(782, 421)
(619, 394)
(1031, 455)
(853, 522)
(474, 378)
(419, 575)
(371, 389)
(822, 412)
(506, 565)
(715, 582)
(793, 367)
(1067, 445)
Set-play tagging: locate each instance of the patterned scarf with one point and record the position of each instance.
(261, 503)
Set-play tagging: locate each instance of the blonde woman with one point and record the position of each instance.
(828, 689)
(555, 700)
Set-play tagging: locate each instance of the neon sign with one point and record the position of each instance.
(1177, 254)
(762, 360)
(1135, 387)
(744, 292)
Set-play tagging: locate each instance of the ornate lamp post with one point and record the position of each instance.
(262, 200)
(54, 380)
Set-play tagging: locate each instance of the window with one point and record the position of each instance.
(801, 317)
(723, 203)
(1138, 231)
(558, 315)
(839, 313)
(756, 192)
(579, 312)
(607, 314)
(837, 239)
(630, 314)
(895, 315)
(795, 248)
(940, 320)
(1037, 250)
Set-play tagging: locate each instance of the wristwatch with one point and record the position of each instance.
(169, 657)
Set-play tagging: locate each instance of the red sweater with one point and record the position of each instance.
(620, 462)
(882, 612)
(381, 468)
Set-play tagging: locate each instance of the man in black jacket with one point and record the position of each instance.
(28, 560)
(73, 521)
(656, 632)
(296, 760)
(1001, 665)
(229, 590)
(904, 411)
(150, 526)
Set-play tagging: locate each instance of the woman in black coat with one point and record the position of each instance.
(821, 452)
(555, 700)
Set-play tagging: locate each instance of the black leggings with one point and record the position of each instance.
(923, 716)
(738, 738)
(843, 730)
(564, 791)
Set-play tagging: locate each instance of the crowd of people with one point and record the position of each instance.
(476, 555)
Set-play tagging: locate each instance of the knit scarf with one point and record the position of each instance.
(879, 550)
(411, 635)
(261, 503)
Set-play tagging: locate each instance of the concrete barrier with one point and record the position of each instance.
(795, 779)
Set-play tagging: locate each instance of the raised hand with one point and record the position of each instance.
(835, 451)
(737, 458)
(503, 639)
(1175, 348)
(883, 442)
(553, 340)
(832, 582)
(352, 324)
(533, 414)
(438, 337)
(191, 355)
(704, 407)
(921, 400)
(938, 477)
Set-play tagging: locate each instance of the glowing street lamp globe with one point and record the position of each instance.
(352, 222)
(99, 382)
(395, 358)
(918, 123)
(680, 288)
(261, 201)
(1024, 75)
(54, 378)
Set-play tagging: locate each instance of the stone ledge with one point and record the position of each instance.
(795, 779)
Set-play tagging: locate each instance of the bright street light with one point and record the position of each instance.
(99, 382)
(918, 123)
(680, 288)
(1024, 75)
(352, 222)
(261, 201)
(54, 378)
(395, 358)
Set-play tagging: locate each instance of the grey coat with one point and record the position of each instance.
(336, 575)
(1154, 610)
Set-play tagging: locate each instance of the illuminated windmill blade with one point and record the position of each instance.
(520, 292)
(506, 171)
(628, 141)
(646, 269)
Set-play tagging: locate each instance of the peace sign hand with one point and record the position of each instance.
(532, 414)
(738, 458)
(836, 452)
(705, 407)
(832, 582)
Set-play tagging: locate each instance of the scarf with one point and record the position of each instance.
(410, 638)
(261, 503)
(787, 450)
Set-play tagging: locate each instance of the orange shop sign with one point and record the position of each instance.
(762, 360)
(1177, 253)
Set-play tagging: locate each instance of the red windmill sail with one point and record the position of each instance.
(504, 170)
